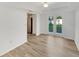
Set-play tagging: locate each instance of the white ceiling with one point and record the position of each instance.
(38, 6)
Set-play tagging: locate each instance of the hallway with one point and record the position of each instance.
(45, 46)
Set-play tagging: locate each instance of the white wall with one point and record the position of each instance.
(12, 28)
(77, 28)
(68, 22)
(38, 24)
(29, 23)
(34, 23)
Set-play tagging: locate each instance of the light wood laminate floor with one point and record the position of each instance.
(45, 46)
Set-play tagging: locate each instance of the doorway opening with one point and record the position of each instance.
(29, 24)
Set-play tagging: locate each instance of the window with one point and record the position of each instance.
(59, 24)
(51, 23)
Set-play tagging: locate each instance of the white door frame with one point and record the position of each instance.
(36, 28)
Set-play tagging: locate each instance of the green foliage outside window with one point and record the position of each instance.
(59, 26)
(50, 24)
(50, 27)
(59, 17)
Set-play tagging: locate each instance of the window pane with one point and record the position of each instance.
(59, 25)
(51, 24)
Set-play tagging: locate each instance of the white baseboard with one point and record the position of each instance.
(12, 48)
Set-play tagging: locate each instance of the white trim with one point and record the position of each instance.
(13, 48)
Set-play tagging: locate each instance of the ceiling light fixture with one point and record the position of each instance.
(45, 4)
